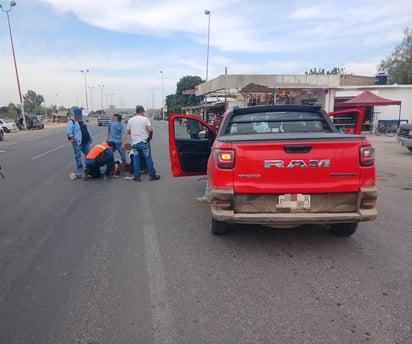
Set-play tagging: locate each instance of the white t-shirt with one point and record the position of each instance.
(138, 128)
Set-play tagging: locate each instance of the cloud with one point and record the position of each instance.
(126, 43)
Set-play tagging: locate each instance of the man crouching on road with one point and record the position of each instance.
(141, 131)
(100, 155)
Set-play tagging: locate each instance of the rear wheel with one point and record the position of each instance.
(218, 227)
(391, 132)
(344, 229)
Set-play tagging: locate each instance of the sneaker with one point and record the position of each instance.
(155, 177)
(136, 179)
(204, 199)
(72, 176)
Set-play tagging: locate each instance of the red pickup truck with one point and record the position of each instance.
(279, 166)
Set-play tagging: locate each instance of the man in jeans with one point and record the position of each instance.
(78, 134)
(141, 131)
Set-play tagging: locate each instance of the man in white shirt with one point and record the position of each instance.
(141, 131)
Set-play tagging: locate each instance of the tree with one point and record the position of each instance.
(10, 111)
(32, 102)
(185, 94)
(321, 71)
(398, 65)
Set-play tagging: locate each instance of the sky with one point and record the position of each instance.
(134, 52)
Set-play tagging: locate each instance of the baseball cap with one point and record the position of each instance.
(78, 112)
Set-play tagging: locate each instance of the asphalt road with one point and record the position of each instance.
(116, 261)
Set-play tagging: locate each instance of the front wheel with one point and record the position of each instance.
(218, 227)
(344, 229)
(378, 131)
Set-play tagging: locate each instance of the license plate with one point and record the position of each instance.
(294, 202)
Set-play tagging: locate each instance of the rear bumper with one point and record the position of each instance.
(404, 141)
(329, 213)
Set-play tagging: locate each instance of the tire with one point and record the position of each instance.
(344, 229)
(6, 130)
(378, 131)
(218, 227)
(409, 149)
(1, 136)
(390, 132)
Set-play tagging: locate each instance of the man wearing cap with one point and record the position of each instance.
(79, 136)
(141, 131)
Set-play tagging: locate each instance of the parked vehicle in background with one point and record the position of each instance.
(34, 122)
(127, 117)
(404, 135)
(103, 120)
(1, 134)
(279, 166)
(7, 126)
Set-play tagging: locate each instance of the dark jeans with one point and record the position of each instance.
(142, 149)
(94, 168)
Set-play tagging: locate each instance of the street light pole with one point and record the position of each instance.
(163, 102)
(205, 116)
(85, 86)
(101, 96)
(91, 97)
(111, 99)
(12, 4)
(207, 12)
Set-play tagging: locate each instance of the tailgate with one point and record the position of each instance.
(292, 166)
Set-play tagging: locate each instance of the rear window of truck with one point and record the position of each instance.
(277, 122)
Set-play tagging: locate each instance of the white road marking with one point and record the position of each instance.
(163, 323)
(48, 152)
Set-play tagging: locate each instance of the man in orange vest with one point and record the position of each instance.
(100, 155)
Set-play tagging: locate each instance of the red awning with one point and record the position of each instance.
(367, 98)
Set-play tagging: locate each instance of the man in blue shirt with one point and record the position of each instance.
(81, 139)
(116, 133)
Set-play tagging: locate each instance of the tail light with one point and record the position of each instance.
(367, 155)
(225, 158)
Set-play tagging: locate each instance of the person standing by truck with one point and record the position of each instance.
(193, 127)
(141, 131)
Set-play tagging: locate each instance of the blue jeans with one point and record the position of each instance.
(143, 148)
(121, 151)
(78, 149)
(93, 166)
